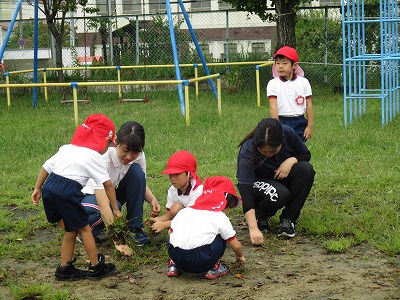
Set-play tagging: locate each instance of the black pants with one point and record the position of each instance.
(289, 193)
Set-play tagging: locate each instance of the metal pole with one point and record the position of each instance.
(35, 53)
(175, 54)
(110, 38)
(137, 41)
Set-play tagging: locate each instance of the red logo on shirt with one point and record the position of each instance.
(300, 100)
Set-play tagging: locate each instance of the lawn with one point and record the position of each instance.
(354, 199)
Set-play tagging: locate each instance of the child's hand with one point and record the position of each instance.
(149, 221)
(36, 195)
(158, 226)
(307, 133)
(117, 213)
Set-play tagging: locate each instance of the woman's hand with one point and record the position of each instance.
(285, 167)
(155, 208)
(240, 259)
(256, 237)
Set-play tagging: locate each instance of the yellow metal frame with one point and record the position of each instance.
(119, 82)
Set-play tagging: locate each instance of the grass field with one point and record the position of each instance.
(354, 200)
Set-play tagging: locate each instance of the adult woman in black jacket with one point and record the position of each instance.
(273, 172)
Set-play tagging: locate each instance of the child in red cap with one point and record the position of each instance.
(186, 187)
(199, 233)
(59, 183)
(289, 93)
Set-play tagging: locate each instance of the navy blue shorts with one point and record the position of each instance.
(62, 200)
(198, 260)
(299, 124)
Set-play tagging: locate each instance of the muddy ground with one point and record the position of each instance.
(298, 268)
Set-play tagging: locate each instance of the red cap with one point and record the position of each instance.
(182, 161)
(288, 52)
(213, 197)
(94, 132)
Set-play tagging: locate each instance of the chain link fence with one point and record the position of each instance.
(223, 36)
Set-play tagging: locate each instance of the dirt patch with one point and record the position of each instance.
(283, 269)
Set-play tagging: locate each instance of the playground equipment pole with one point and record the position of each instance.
(9, 30)
(198, 48)
(175, 53)
(35, 53)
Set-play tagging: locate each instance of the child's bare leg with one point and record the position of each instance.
(175, 208)
(67, 245)
(89, 244)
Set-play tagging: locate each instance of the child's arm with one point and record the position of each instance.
(104, 206)
(273, 107)
(237, 249)
(310, 119)
(152, 200)
(37, 191)
(110, 191)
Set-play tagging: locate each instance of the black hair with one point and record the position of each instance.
(132, 134)
(268, 132)
(231, 201)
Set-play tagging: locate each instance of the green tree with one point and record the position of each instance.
(284, 16)
(100, 24)
(55, 12)
(28, 35)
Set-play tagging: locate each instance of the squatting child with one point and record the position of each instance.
(199, 233)
(185, 189)
(59, 183)
(289, 93)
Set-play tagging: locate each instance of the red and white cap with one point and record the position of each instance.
(213, 197)
(94, 132)
(183, 161)
(288, 52)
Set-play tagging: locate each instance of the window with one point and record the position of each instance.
(101, 5)
(132, 6)
(198, 5)
(224, 5)
(157, 6)
(232, 48)
(205, 49)
(329, 2)
(258, 47)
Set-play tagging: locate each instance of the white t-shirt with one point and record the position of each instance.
(115, 168)
(185, 200)
(79, 164)
(192, 228)
(291, 95)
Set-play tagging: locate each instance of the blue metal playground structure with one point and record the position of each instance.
(173, 42)
(357, 62)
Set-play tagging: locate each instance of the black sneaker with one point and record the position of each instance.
(263, 225)
(287, 229)
(139, 236)
(69, 272)
(102, 269)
